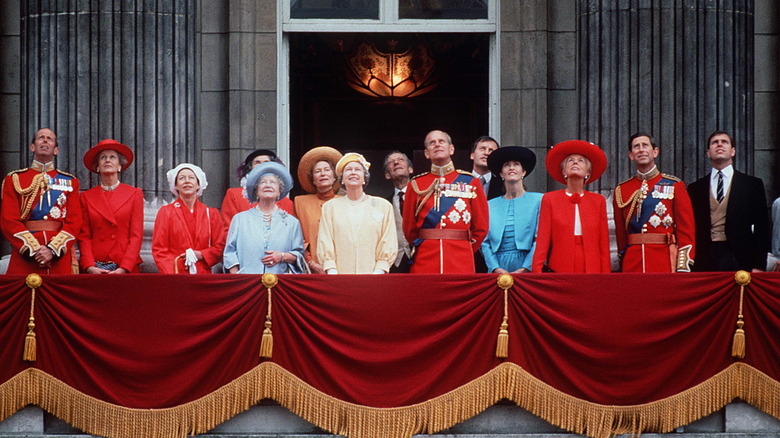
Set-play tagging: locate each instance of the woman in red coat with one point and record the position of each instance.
(112, 227)
(573, 233)
(188, 237)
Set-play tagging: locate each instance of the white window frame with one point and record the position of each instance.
(388, 22)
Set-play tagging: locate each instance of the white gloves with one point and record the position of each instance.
(190, 259)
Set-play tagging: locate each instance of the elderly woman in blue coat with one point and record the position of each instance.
(265, 238)
(514, 217)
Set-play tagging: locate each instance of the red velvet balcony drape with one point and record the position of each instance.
(161, 342)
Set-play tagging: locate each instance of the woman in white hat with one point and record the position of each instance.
(316, 175)
(112, 227)
(265, 238)
(188, 236)
(357, 232)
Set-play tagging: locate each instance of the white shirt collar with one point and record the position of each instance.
(728, 172)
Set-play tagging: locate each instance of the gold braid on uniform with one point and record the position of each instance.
(422, 196)
(632, 201)
(28, 194)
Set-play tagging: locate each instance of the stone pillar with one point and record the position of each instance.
(237, 87)
(538, 78)
(677, 69)
(118, 68)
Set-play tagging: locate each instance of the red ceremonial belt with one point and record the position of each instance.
(651, 239)
(436, 233)
(43, 226)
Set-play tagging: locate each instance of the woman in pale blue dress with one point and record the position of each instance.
(514, 217)
(265, 239)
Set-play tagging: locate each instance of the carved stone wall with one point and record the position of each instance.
(677, 69)
(122, 69)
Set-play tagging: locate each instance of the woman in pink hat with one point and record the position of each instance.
(573, 233)
(113, 214)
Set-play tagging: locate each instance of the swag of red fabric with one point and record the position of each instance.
(156, 341)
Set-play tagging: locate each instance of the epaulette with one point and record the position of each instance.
(422, 174)
(66, 173)
(17, 171)
(2, 186)
(463, 172)
(671, 177)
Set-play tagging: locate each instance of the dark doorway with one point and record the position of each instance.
(324, 110)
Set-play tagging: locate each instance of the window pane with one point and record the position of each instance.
(443, 9)
(335, 9)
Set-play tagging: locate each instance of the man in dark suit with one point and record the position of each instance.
(480, 150)
(730, 211)
(491, 183)
(398, 169)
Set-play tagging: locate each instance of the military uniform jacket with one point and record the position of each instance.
(453, 201)
(40, 207)
(661, 207)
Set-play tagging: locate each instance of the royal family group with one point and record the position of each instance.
(444, 220)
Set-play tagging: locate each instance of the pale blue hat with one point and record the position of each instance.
(253, 178)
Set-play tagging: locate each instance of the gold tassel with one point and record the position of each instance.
(502, 347)
(33, 281)
(738, 346)
(29, 342)
(267, 342)
(505, 281)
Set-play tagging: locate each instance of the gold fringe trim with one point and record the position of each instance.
(270, 381)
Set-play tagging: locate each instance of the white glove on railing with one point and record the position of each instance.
(190, 259)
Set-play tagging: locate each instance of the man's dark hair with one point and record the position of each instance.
(719, 132)
(481, 139)
(641, 134)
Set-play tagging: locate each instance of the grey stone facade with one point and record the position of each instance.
(206, 90)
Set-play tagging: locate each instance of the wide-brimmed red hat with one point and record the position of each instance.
(92, 153)
(556, 154)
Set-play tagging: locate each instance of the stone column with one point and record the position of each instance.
(678, 69)
(117, 68)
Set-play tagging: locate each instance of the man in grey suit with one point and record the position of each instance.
(730, 211)
(398, 169)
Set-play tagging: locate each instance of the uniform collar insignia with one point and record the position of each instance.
(650, 174)
(442, 170)
(42, 167)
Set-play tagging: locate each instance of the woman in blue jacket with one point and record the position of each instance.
(514, 217)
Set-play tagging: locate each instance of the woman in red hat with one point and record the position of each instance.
(573, 232)
(113, 214)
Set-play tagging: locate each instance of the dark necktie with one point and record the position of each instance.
(720, 187)
(401, 202)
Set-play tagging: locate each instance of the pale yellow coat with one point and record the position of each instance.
(357, 237)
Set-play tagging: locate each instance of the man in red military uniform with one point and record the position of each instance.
(41, 214)
(654, 223)
(445, 213)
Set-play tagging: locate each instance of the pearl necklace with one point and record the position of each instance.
(110, 188)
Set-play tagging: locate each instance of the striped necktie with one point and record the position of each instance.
(720, 187)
